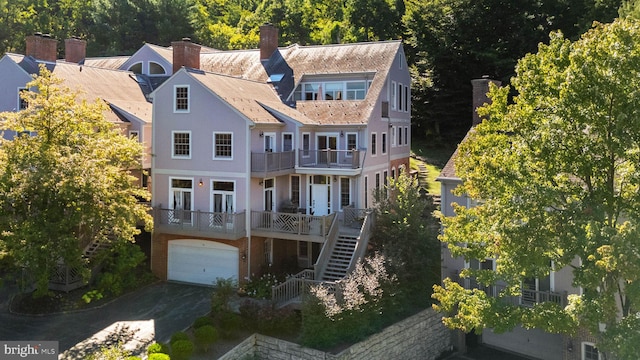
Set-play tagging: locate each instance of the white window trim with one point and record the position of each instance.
(160, 65)
(293, 142)
(213, 140)
(180, 111)
(374, 150)
(340, 192)
(583, 345)
(393, 136)
(308, 135)
(400, 97)
(377, 181)
(272, 135)
(173, 145)
(406, 135)
(19, 91)
(235, 192)
(407, 98)
(141, 66)
(394, 95)
(346, 143)
(299, 189)
(191, 191)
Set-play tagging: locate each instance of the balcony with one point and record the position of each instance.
(291, 226)
(199, 223)
(331, 159)
(270, 164)
(529, 297)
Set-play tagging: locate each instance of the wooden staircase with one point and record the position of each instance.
(341, 258)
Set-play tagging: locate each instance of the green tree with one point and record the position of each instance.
(406, 233)
(67, 185)
(555, 175)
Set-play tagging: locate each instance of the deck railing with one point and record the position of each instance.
(528, 297)
(298, 224)
(215, 222)
(329, 158)
(363, 239)
(273, 161)
(323, 258)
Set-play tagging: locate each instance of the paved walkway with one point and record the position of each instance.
(150, 314)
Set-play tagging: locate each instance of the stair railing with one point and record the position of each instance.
(362, 241)
(323, 258)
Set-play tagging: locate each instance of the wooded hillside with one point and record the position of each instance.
(448, 42)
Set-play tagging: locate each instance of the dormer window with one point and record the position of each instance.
(136, 68)
(331, 90)
(156, 69)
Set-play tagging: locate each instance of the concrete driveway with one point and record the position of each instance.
(152, 313)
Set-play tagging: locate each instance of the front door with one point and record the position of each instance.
(319, 195)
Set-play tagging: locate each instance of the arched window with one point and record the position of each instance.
(156, 69)
(136, 68)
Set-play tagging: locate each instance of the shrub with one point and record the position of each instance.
(202, 321)
(229, 324)
(181, 349)
(133, 358)
(158, 356)
(224, 291)
(205, 336)
(180, 335)
(260, 288)
(268, 319)
(158, 348)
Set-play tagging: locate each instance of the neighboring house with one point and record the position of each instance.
(532, 343)
(266, 159)
(128, 107)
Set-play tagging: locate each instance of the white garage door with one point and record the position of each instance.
(201, 262)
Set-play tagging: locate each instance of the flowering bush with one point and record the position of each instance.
(260, 288)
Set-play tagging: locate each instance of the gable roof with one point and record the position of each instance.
(110, 62)
(257, 101)
(449, 170)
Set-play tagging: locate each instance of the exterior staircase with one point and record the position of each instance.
(341, 258)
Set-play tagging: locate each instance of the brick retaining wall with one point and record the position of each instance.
(421, 336)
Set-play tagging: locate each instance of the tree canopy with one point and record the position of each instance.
(65, 180)
(555, 175)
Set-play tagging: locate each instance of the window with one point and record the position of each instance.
(394, 101)
(136, 68)
(223, 197)
(589, 351)
(352, 143)
(366, 192)
(156, 69)
(393, 136)
(181, 99)
(400, 98)
(393, 172)
(223, 146)
(180, 200)
(373, 144)
(377, 181)
(471, 282)
(333, 91)
(295, 189)
(356, 90)
(406, 98)
(269, 194)
(181, 144)
(406, 135)
(306, 144)
(22, 103)
(385, 181)
(287, 142)
(384, 143)
(345, 192)
(400, 136)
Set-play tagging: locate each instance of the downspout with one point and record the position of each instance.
(247, 206)
(153, 178)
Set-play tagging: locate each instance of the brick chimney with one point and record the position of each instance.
(268, 41)
(185, 53)
(75, 50)
(480, 90)
(42, 47)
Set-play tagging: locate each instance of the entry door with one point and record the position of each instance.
(319, 199)
(270, 149)
(327, 144)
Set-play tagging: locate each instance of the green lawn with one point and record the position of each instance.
(435, 158)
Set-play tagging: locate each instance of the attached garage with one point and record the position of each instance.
(201, 262)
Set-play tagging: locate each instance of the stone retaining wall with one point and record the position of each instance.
(421, 336)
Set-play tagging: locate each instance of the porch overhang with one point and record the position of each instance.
(328, 171)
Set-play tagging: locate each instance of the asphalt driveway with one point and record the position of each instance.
(152, 313)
